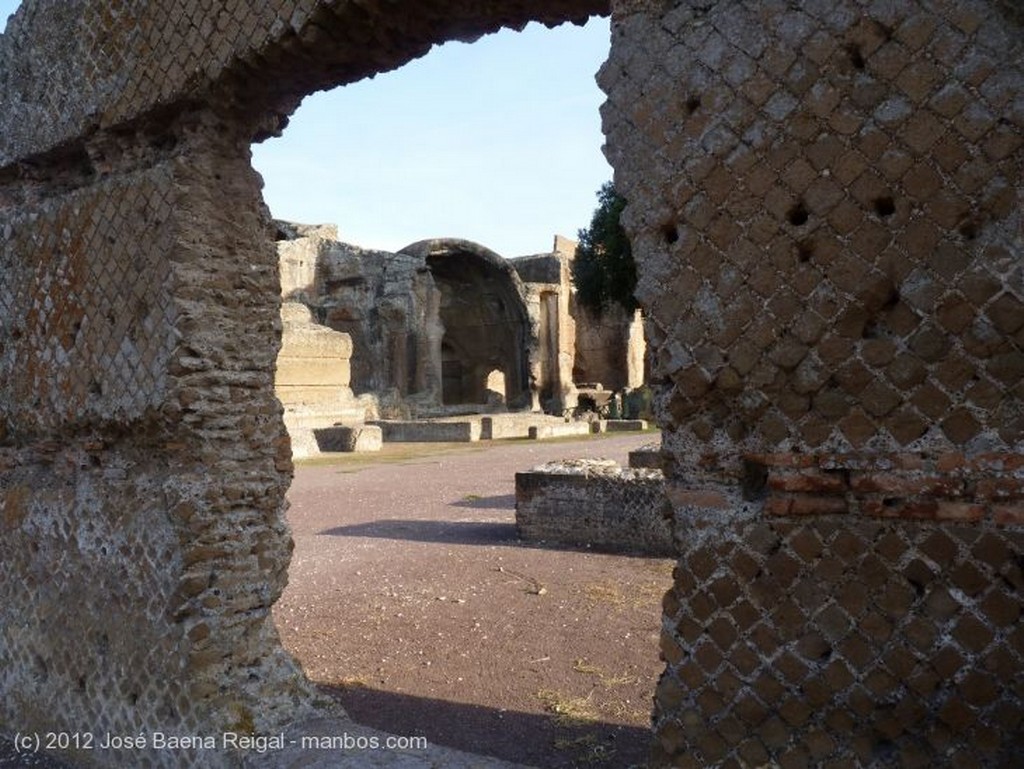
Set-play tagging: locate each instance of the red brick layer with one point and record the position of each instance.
(948, 487)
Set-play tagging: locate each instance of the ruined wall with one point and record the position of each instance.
(546, 285)
(594, 503)
(312, 379)
(825, 203)
(388, 304)
(609, 347)
(143, 461)
(299, 250)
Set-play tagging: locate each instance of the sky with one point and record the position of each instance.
(498, 141)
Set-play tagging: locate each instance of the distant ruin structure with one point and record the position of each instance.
(824, 201)
(447, 326)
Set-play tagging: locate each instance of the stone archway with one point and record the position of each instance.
(825, 206)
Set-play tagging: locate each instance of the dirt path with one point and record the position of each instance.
(412, 599)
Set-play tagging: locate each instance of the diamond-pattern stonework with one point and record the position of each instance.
(880, 643)
(60, 522)
(85, 312)
(825, 205)
(884, 144)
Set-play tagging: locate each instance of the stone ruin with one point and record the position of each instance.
(825, 203)
(442, 327)
(596, 504)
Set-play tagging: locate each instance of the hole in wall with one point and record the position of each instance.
(884, 206)
(754, 483)
(969, 229)
(804, 251)
(855, 55)
(798, 214)
(670, 233)
(692, 104)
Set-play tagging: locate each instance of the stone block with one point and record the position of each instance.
(357, 438)
(646, 457)
(594, 504)
(624, 425)
(430, 431)
(559, 430)
(501, 426)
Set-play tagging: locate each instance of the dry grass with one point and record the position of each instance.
(582, 666)
(568, 711)
(639, 596)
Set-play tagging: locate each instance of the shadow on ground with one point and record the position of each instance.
(496, 502)
(466, 533)
(525, 738)
(447, 532)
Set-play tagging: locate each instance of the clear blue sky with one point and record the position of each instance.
(498, 141)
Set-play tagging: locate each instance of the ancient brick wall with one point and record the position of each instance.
(836, 188)
(143, 461)
(594, 504)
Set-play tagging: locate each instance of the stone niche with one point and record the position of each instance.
(824, 199)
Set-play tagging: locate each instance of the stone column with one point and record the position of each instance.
(636, 351)
(824, 201)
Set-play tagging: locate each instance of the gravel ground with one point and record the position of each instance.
(412, 601)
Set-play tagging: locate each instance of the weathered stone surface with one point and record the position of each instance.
(805, 186)
(594, 504)
(357, 438)
(311, 379)
(498, 426)
(448, 323)
(559, 429)
(452, 430)
(646, 457)
(610, 348)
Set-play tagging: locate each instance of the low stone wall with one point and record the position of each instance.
(513, 425)
(624, 425)
(594, 503)
(423, 431)
(561, 430)
(647, 457)
(355, 438)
